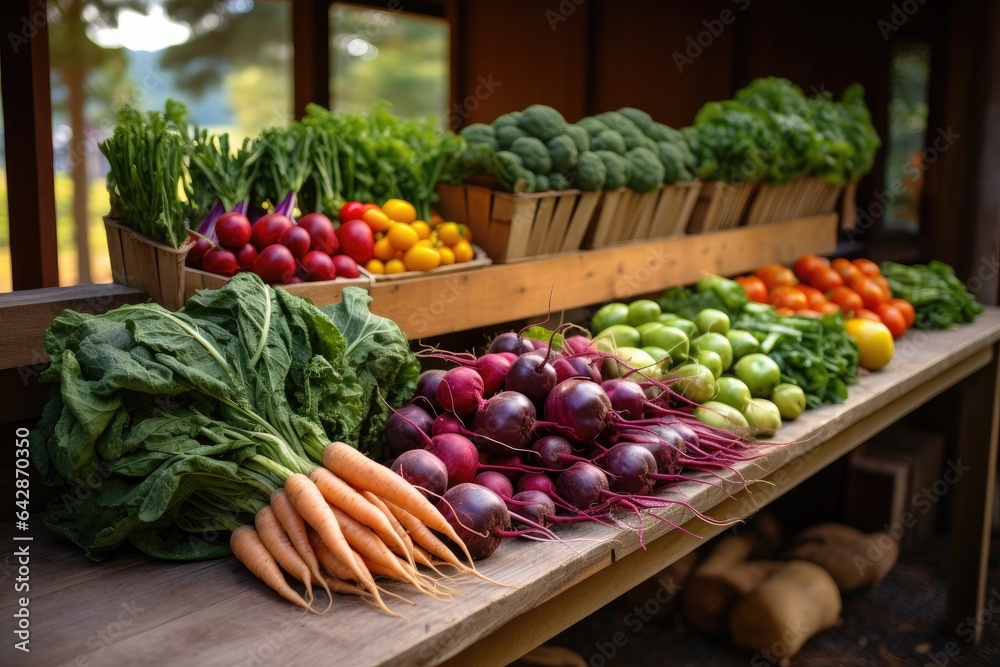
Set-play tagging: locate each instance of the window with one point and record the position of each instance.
(229, 61)
(906, 157)
(389, 55)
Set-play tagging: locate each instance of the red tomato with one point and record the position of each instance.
(788, 296)
(807, 265)
(866, 314)
(869, 291)
(892, 319)
(846, 269)
(829, 308)
(754, 287)
(867, 267)
(807, 312)
(846, 298)
(775, 275)
(906, 310)
(883, 282)
(356, 240)
(813, 295)
(352, 210)
(784, 311)
(826, 279)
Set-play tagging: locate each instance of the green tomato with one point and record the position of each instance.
(608, 315)
(710, 320)
(722, 416)
(642, 311)
(646, 328)
(667, 318)
(687, 326)
(633, 357)
(710, 360)
(622, 334)
(790, 399)
(733, 391)
(671, 339)
(696, 384)
(743, 342)
(760, 373)
(762, 414)
(717, 343)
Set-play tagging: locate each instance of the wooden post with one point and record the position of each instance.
(311, 37)
(27, 110)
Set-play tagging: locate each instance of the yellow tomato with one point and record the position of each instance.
(448, 233)
(421, 258)
(874, 342)
(402, 236)
(395, 266)
(424, 243)
(447, 255)
(400, 211)
(436, 219)
(466, 232)
(376, 219)
(422, 229)
(375, 266)
(384, 250)
(463, 251)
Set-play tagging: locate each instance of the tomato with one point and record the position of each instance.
(906, 310)
(874, 341)
(447, 255)
(826, 279)
(421, 258)
(807, 265)
(356, 240)
(846, 269)
(807, 312)
(463, 252)
(775, 275)
(395, 266)
(422, 229)
(376, 219)
(402, 236)
(466, 232)
(448, 233)
(784, 311)
(869, 291)
(754, 287)
(788, 296)
(375, 266)
(829, 308)
(883, 282)
(846, 298)
(867, 267)
(865, 314)
(813, 295)
(384, 250)
(352, 210)
(399, 210)
(893, 319)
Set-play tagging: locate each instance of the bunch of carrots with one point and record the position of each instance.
(340, 526)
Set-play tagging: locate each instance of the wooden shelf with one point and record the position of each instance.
(225, 616)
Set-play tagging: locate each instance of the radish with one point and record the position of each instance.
(357, 240)
(221, 261)
(495, 482)
(268, 230)
(531, 375)
(627, 397)
(346, 267)
(582, 485)
(581, 407)
(533, 505)
(233, 229)
(569, 367)
(297, 240)
(427, 385)
(510, 342)
(197, 251)
(506, 421)
(408, 428)
(447, 423)
(537, 481)
(630, 468)
(246, 256)
(478, 515)
(552, 451)
(275, 264)
(459, 455)
(317, 265)
(321, 232)
(424, 471)
(461, 391)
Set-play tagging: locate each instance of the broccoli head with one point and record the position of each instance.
(509, 169)
(673, 160)
(507, 119)
(479, 134)
(641, 119)
(646, 171)
(617, 169)
(506, 135)
(542, 122)
(560, 180)
(563, 152)
(541, 183)
(534, 156)
(608, 140)
(592, 125)
(590, 172)
(630, 132)
(579, 136)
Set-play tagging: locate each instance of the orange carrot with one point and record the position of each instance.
(338, 570)
(339, 493)
(250, 551)
(309, 502)
(362, 473)
(367, 544)
(273, 536)
(394, 522)
(295, 528)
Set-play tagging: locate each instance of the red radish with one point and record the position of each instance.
(321, 231)
(447, 423)
(197, 251)
(427, 386)
(233, 229)
(510, 342)
(537, 481)
(582, 484)
(535, 506)
(268, 230)
(506, 421)
(478, 515)
(408, 428)
(346, 267)
(221, 261)
(275, 264)
(580, 406)
(461, 391)
(496, 483)
(357, 240)
(532, 376)
(297, 240)
(630, 468)
(459, 455)
(423, 470)
(352, 210)
(246, 256)
(318, 265)
(553, 451)
(294, 280)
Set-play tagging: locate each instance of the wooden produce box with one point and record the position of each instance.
(512, 226)
(480, 258)
(626, 215)
(142, 263)
(801, 197)
(322, 292)
(720, 206)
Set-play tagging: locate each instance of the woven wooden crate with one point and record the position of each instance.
(626, 215)
(140, 262)
(801, 197)
(512, 226)
(673, 209)
(720, 206)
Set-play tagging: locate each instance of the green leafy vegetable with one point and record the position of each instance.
(939, 298)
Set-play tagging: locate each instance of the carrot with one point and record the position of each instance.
(309, 502)
(340, 571)
(394, 522)
(295, 528)
(273, 537)
(367, 544)
(250, 551)
(339, 493)
(362, 473)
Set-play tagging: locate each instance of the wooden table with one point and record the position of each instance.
(134, 611)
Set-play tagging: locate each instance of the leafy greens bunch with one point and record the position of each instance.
(163, 426)
(939, 298)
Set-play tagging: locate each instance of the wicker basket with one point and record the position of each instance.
(140, 262)
(801, 197)
(512, 226)
(720, 206)
(626, 215)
